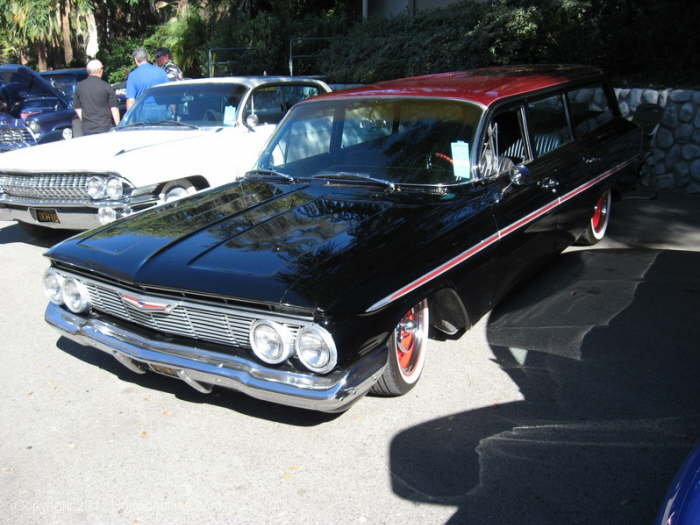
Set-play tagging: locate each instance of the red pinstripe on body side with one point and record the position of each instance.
(455, 261)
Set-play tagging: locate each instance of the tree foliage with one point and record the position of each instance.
(632, 40)
(651, 39)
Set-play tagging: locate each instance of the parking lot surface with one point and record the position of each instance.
(574, 401)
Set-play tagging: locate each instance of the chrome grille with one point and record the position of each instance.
(58, 186)
(203, 322)
(15, 135)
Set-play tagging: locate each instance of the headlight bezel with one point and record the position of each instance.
(295, 345)
(101, 187)
(96, 187)
(286, 343)
(114, 188)
(66, 290)
(33, 126)
(326, 339)
(84, 297)
(57, 296)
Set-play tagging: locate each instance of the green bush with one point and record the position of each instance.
(117, 58)
(630, 39)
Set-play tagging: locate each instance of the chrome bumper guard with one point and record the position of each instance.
(202, 369)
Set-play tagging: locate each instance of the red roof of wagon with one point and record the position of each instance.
(484, 86)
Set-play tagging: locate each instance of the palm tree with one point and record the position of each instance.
(43, 25)
(34, 23)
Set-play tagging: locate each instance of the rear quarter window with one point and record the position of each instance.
(589, 109)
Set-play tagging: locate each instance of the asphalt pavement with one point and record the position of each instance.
(574, 401)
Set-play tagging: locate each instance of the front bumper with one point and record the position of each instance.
(70, 216)
(202, 369)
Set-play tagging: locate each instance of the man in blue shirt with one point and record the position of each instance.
(142, 77)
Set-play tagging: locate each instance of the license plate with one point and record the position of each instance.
(46, 215)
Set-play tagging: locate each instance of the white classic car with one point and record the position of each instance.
(178, 138)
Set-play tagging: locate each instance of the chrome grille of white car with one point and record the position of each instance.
(46, 186)
(206, 323)
(15, 135)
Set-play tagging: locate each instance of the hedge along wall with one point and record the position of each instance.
(675, 149)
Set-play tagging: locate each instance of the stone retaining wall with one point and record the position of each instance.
(675, 150)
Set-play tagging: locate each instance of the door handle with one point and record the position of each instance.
(591, 160)
(548, 183)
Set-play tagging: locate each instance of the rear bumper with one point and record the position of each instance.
(202, 369)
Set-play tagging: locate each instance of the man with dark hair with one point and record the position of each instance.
(142, 77)
(164, 61)
(95, 102)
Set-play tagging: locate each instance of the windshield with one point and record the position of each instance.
(64, 83)
(411, 141)
(192, 104)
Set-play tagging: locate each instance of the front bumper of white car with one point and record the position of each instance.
(70, 215)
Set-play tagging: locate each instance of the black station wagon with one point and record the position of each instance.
(376, 218)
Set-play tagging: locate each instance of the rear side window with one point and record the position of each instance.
(589, 109)
(548, 125)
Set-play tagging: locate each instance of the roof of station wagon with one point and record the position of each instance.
(483, 86)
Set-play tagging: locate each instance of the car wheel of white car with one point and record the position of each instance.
(407, 346)
(176, 190)
(67, 133)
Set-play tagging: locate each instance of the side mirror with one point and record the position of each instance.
(520, 176)
(251, 121)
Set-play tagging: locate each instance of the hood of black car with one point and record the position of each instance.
(311, 246)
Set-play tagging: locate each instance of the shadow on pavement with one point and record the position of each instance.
(670, 221)
(605, 348)
(220, 397)
(44, 237)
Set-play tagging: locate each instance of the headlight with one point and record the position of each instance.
(316, 349)
(96, 187)
(114, 189)
(34, 126)
(75, 295)
(52, 286)
(271, 341)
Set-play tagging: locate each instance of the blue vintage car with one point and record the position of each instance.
(44, 109)
(682, 503)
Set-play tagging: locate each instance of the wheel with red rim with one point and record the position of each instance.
(598, 224)
(407, 348)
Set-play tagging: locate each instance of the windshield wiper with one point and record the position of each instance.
(261, 171)
(356, 176)
(158, 123)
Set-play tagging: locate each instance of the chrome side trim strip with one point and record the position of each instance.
(334, 392)
(504, 232)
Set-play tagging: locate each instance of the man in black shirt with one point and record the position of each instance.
(95, 102)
